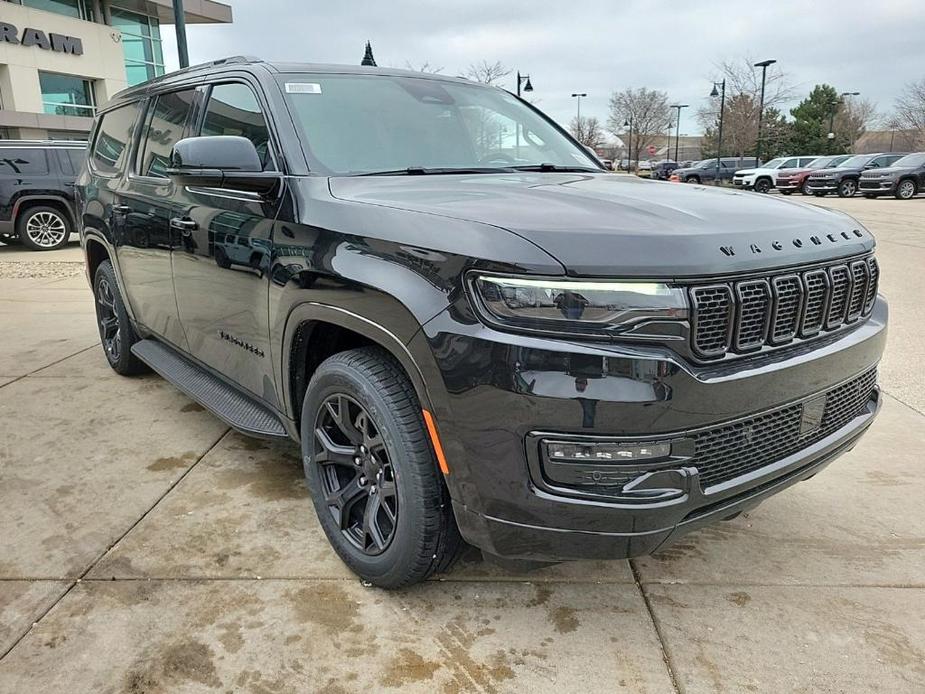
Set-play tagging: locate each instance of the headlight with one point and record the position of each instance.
(596, 309)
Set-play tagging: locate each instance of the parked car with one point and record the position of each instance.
(662, 170)
(37, 191)
(904, 178)
(791, 180)
(843, 179)
(645, 166)
(608, 164)
(761, 179)
(706, 170)
(557, 364)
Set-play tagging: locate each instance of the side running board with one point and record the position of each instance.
(240, 411)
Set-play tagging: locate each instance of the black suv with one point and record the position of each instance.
(843, 179)
(471, 329)
(904, 178)
(661, 171)
(37, 191)
(706, 170)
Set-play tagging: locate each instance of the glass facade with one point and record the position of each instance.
(141, 41)
(81, 9)
(66, 95)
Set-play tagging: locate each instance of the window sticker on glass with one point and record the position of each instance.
(303, 88)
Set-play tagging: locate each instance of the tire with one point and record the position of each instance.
(819, 195)
(804, 189)
(9, 239)
(786, 192)
(763, 185)
(869, 196)
(396, 482)
(116, 332)
(906, 190)
(692, 179)
(847, 188)
(43, 228)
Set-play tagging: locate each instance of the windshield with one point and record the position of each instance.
(361, 124)
(910, 160)
(774, 164)
(854, 162)
(705, 164)
(822, 162)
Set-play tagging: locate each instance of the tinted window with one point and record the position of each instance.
(911, 160)
(234, 110)
(790, 163)
(76, 157)
(885, 160)
(113, 137)
(23, 161)
(166, 123)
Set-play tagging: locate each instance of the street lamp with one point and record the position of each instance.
(677, 139)
(835, 104)
(722, 107)
(629, 144)
(764, 71)
(520, 80)
(579, 105)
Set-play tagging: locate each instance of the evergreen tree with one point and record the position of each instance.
(812, 119)
(368, 56)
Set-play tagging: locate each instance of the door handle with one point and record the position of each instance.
(184, 225)
(121, 209)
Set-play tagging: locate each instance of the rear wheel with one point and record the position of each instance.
(847, 188)
(905, 190)
(43, 228)
(692, 179)
(116, 333)
(374, 480)
(762, 185)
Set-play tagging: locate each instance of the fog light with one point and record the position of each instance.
(570, 452)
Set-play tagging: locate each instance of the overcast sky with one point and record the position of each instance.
(593, 46)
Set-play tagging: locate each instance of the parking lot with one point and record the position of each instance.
(147, 548)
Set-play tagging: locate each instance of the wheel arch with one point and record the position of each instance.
(913, 178)
(60, 203)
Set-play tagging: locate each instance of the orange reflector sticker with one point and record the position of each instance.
(438, 447)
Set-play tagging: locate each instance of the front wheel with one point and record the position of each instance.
(762, 185)
(905, 190)
(805, 188)
(43, 228)
(848, 188)
(692, 179)
(116, 332)
(373, 476)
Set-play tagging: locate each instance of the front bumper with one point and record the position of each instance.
(746, 184)
(498, 389)
(877, 187)
(823, 187)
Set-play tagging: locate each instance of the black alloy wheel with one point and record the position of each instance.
(116, 332)
(357, 476)
(763, 185)
(108, 320)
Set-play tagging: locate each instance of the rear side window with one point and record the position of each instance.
(885, 160)
(113, 137)
(166, 124)
(17, 161)
(233, 109)
(71, 161)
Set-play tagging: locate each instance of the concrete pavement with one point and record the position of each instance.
(145, 548)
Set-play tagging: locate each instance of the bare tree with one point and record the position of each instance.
(743, 95)
(487, 73)
(648, 111)
(853, 118)
(423, 67)
(910, 112)
(588, 131)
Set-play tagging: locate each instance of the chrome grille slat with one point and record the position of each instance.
(742, 316)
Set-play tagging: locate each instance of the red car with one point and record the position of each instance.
(792, 180)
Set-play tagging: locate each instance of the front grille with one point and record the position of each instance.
(870, 183)
(726, 452)
(739, 317)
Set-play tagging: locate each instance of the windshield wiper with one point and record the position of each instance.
(424, 171)
(555, 167)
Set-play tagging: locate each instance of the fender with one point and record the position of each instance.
(314, 311)
(91, 234)
(68, 205)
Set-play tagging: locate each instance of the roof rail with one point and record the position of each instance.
(231, 60)
(7, 143)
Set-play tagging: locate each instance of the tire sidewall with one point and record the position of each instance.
(123, 363)
(23, 221)
(762, 186)
(842, 191)
(386, 567)
(899, 190)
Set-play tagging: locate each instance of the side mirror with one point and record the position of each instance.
(220, 161)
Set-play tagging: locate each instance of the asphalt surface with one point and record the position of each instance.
(146, 548)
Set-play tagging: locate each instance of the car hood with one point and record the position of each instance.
(889, 170)
(794, 172)
(749, 172)
(611, 225)
(836, 171)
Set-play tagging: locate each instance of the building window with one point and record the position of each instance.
(81, 9)
(66, 95)
(141, 41)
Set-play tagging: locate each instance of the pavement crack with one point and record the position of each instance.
(662, 644)
(47, 366)
(92, 565)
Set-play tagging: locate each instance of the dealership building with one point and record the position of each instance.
(61, 59)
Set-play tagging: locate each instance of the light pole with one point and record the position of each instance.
(677, 139)
(579, 105)
(835, 105)
(629, 144)
(764, 72)
(179, 21)
(520, 80)
(722, 107)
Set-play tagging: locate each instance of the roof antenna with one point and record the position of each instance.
(368, 56)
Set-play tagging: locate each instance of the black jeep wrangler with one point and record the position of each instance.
(472, 331)
(37, 204)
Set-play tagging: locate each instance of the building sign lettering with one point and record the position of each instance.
(59, 43)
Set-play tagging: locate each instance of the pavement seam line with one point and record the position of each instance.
(903, 402)
(662, 643)
(75, 582)
(48, 366)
